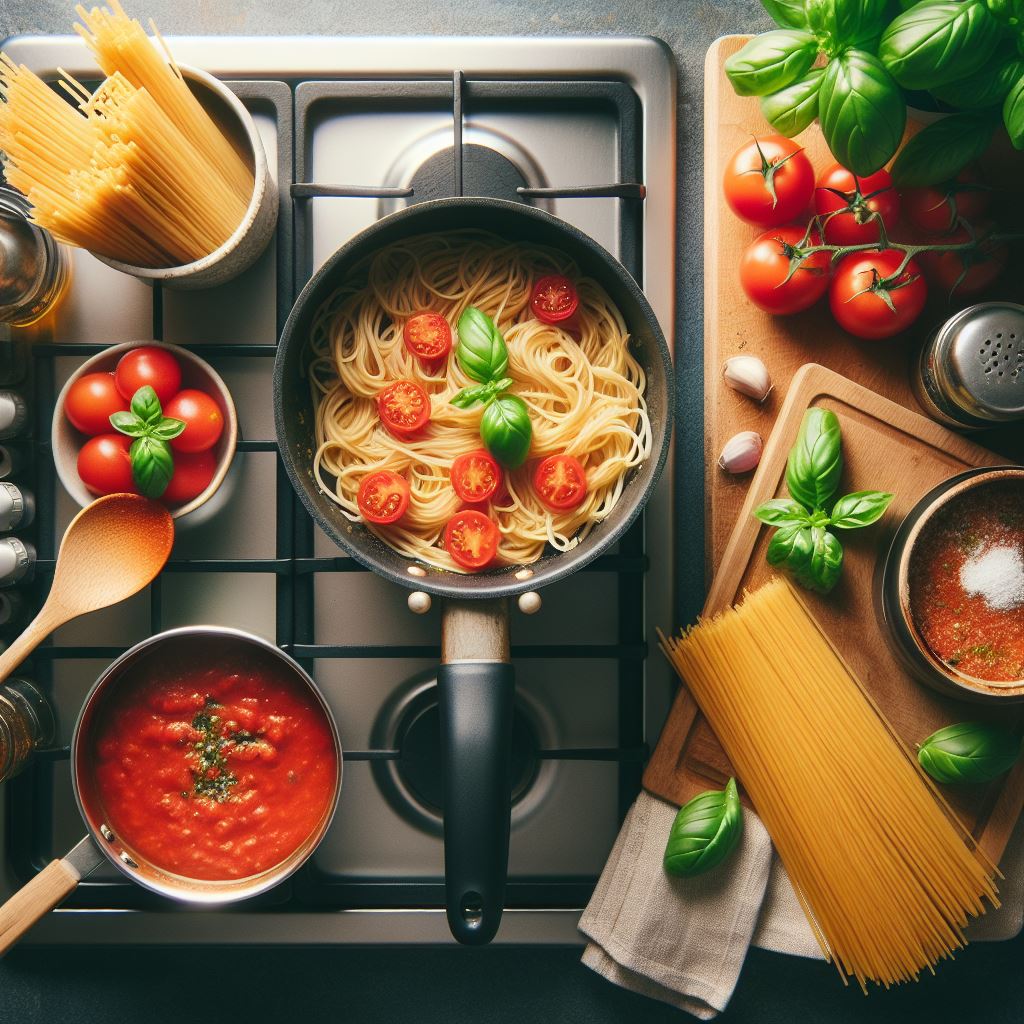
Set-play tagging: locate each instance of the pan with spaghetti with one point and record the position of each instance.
(597, 390)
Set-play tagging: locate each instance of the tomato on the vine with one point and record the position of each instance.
(868, 199)
(870, 300)
(969, 272)
(937, 209)
(766, 263)
(769, 181)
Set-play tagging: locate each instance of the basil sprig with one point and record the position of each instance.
(150, 454)
(771, 61)
(706, 830)
(505, 427)
(940, 151)
(969, 752)
(803, 543)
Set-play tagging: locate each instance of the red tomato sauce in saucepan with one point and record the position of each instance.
(216, 773)
(967, 583)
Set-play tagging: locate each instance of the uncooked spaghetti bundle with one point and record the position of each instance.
(139, 172)
(887, 876)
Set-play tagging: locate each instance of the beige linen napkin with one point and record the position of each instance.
(683, 941)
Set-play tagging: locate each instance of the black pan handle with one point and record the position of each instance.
(476, 685)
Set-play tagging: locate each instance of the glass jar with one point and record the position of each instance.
(26, 723)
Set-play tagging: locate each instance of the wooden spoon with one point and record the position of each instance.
(111, 550)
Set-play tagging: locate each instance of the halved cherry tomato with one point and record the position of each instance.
(560, 482)
(769, 181)
(475, 476)
(866, 306)
(105, 466)
(91, 401)
(765, 264)
(428, 336)
(404, 407)
(193, 472)
(148, 365)
(471, 539)
(202, 417)
(383, 497)
(554, 300)
(869, 200)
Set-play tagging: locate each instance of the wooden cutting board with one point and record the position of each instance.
(886, 447)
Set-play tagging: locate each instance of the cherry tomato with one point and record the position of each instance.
(871, 195)
(428, 336)
(91, 401)
(383, 497)
(763, 164)
(148, 365)
(476, 476)
(471, 539)
(765, 264)
(193, 472)
(969, 273)
(404, 407)
(105, 466)
(202, 417)
(560, 482)
(554, 299)
(935, 209)
(857, 305)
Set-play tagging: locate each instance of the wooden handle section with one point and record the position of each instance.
(55, 882)
(474, 631)
(31, 637)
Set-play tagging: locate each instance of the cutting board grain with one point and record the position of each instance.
(888, 447)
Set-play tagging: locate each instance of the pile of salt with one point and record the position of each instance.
(997, 575)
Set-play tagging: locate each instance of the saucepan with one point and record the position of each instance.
(475, 680)
(195, 649)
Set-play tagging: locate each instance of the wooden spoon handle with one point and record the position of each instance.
(32, 636)
(52, 885)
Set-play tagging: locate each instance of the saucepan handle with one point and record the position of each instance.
(34, 900)
(476, 685)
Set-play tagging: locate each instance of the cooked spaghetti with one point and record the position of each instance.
(886, 874)
(584, 391)
(139, 173)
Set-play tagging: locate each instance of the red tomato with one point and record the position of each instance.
(968, 273)
(560, 482)
(202, 417)
(104, 465)
(383, 497)
(857, 303)
(935, 209)
(404, 407)
(871, 195)
(770, 162)
(428, 336)
(148, 365)
(193, 472)
(476, 476)
(91, 401)
(765, 264)
(471, 539)
(554, 299)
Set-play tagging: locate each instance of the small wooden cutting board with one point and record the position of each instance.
(885, 447)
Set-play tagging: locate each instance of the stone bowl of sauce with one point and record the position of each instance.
(951, 587)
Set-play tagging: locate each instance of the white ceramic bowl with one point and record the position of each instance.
(66, 442)
(250, 238)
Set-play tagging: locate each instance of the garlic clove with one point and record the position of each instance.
(742, 452)
(749, 376)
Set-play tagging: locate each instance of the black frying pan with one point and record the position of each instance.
(475, 681)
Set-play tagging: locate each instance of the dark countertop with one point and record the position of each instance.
(354, 985)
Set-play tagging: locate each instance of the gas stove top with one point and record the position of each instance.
(355, 128)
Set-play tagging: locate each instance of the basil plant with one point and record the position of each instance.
(850, 63)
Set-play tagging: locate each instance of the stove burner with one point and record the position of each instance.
(413, 783)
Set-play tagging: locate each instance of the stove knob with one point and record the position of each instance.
(16, 561)
(13, 414)
(11, 461)
(17, 507)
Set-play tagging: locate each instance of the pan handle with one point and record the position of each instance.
(475, 690)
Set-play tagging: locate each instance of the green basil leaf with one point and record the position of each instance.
(786, 13)
(146, 405)
(782, 512)
(862, 508)
(816, 460)
(968, 752)
(861, 110)
(1008, 12)
(791, 546)
(826, 563)
(789, 111)
(935, 43)
(128, 423)
(846, 24)
(705, 832)
(152, 465)
(468, 397)
(941, 150)
(771, 61)
(481, 350)
(167, 429)
(506, 430)
(985, 88)
(1013, 113)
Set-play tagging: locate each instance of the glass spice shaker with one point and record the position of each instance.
(26, 723)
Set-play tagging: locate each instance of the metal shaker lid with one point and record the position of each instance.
(980, 354)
